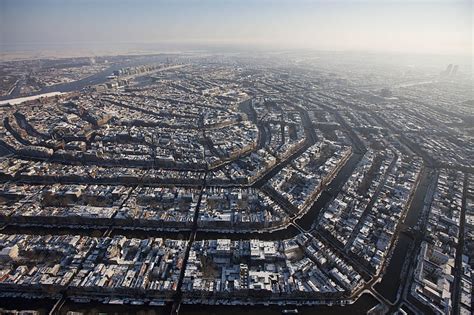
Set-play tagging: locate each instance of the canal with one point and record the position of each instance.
(308, 220)
(361, 306)
(389, 286)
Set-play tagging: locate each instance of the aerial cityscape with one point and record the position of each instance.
(214, 180)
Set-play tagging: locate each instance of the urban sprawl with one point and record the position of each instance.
(216, 179)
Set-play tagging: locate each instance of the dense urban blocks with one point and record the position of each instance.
(187, 180)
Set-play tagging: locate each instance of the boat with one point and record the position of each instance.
(290, 311)
(116, 301)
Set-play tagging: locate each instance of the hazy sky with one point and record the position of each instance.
(443, 26)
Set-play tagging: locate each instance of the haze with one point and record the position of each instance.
(439, 27)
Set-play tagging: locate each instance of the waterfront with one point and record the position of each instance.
(361, 306)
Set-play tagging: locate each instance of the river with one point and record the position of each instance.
(94, 79)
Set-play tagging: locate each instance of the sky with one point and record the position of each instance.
(415, 26)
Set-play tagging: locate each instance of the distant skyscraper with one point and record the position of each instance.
(455, 70)
(447, 72)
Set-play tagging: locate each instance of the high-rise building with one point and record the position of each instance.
(447, 72)
(455, 70)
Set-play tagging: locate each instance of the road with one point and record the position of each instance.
(179, 294)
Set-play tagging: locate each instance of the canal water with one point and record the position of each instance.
(361, 306)
(43, 306)
(390, 283)
(307, 221)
